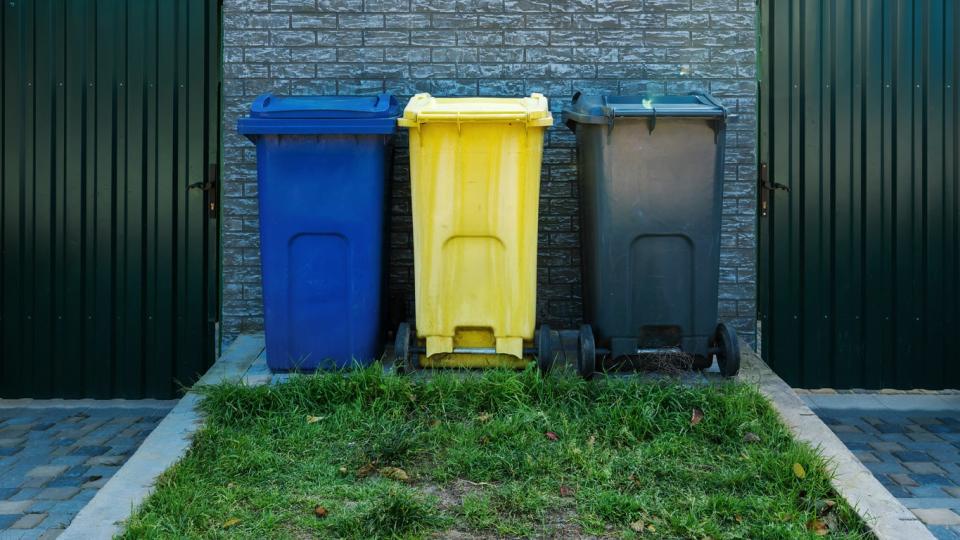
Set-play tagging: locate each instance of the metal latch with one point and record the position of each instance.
(766, 187)
(210, 187)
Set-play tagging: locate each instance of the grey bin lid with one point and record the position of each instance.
(603, 109)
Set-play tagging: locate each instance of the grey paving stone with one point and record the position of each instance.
(937, 516)
(67, 481)
(898, 491)
(924, 437)
(924, 420)
(933, 479)
(923, 467)
(855, 437)
(71, 506)
(35, 482)
(903, 479)
(41, 506)
(58, 493)
(944, 532)
(952, 491)
(50, 534)
(885, 467)
(29, 521)
(909, 455)
(94, 482)
(47, 471)
(69, 460)
(894, 437)
(89, 450)
(6, 520)
(25, 494)
(106, 460)
(944, 455)
(6, 493)
(866, 457)
(927, 492)
(102, 470)
(14, 507)
(889, 428)
(885, 446)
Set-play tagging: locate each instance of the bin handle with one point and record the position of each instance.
(460, 116)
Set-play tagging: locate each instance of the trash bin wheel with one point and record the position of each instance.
(401, 349)
(586, 352)
(544, 350)
(728, 350)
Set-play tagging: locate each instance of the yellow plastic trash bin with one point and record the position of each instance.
(475, 183)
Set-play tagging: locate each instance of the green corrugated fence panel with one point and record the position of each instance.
(860, 260)
(109, 261)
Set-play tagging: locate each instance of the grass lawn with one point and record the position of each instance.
(498, 454)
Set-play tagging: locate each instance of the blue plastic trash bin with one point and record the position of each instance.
(322, 164)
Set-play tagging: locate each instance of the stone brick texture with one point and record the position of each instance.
(491, 48)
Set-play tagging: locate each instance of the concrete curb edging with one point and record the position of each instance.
(883, 513)
(116, 501)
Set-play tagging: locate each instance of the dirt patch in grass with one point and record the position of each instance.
(496, 455)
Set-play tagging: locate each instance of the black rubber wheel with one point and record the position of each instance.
(401, 349)
(544, 350)
(728, 355)
(586, 353)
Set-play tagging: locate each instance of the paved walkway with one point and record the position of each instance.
(55, 455)
(911, 444)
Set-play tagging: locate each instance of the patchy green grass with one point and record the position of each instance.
(492, 454)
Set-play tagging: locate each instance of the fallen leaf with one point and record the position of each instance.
(319, 511)
(365, 470)
(824, 506)
(696, 417)
(313, 419)
(231, 522)
(435, 422)
(485, 417)
(342, 470)
(395, 473)
(637, 526)
(817, 527)
(552, 436)
(738, 518)
(231, 485)
(751, 437)
(799, 471)
(591, 441)
(566, 491)
(651, 528)
(830, 520)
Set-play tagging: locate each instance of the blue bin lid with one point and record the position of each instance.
(604, 109)
(317, 115)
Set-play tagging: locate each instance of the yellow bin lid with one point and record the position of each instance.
(424, 108)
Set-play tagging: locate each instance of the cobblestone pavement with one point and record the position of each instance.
(54, 456)
(913, 452)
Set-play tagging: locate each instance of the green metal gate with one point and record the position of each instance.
(109, 233)
(860, 259)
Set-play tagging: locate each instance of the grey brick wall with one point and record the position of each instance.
(491, 47)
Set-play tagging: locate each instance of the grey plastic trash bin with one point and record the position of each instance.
(650, 171)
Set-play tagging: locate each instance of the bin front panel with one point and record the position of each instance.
(475, 190)
(651, 230)
(321, 242)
